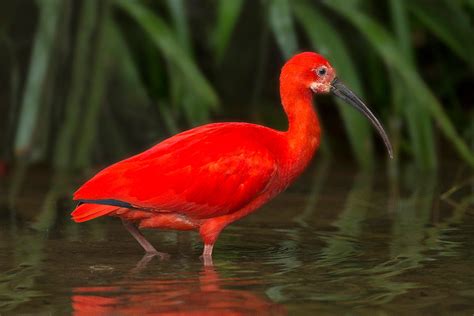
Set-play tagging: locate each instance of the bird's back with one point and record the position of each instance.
(208, 171)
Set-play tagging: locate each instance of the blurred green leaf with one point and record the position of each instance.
(281, 22)
(386, 46)
(178, 14)
(449, 23)
(49, 13)
(179, 89)
(402, 28)
(71, 123)
(327, 41)
(470, 3)
(419, 125)
(155, 64)
(227, 15)
(165, 40)
(98, 81)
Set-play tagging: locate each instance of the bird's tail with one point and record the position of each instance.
(85, 212)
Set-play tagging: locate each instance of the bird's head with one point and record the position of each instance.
(309, 71)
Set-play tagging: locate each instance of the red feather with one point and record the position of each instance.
(85, 212)
(189, 174)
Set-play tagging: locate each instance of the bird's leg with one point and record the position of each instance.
(207, 250)
(209, 232)
(140, 238)
(207, 255)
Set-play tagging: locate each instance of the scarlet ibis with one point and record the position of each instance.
(210, 176)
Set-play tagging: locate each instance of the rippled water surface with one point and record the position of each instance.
(336, 242)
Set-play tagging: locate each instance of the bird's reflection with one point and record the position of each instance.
(203, 292)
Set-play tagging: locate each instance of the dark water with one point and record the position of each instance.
(337, 242)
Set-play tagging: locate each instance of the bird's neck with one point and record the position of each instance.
(303, 133)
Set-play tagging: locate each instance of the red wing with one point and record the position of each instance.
(204, 172)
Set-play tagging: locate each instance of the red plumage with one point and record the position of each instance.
(86, 212)
(208, 171)
(210, 176)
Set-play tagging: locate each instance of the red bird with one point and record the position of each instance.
(210, 176)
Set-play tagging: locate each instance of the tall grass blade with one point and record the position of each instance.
(51, 99)
(64, 144)
(177, 10)
(449, 23)
(165, 40)
(179, 90)
(228, 13)
(386, 46)
(401, 26)
(49, 14)
(419, 124)
(327, 40)
(90, 120)
(282, 26)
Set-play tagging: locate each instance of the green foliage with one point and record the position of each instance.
(419, 125)
(329, 42)
(203, 95)
(156, 54)
(70, 127)
(394, 57)
(450, 23)
(227, 15)
(36, 79)
(281, 21)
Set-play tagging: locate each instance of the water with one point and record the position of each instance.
(337, 242)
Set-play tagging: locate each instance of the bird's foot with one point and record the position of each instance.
(207, 255)
(155, 253)
(147, 257)
(207, 260)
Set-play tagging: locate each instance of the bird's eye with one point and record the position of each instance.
(321, 71)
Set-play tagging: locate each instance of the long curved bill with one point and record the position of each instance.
(341, 91)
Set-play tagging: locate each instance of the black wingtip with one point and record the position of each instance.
(110, 202)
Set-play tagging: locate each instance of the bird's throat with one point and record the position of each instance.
(303, 135)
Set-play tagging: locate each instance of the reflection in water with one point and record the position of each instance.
(352, 267)
(17, 285)
(344, 243)
(203, 293)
